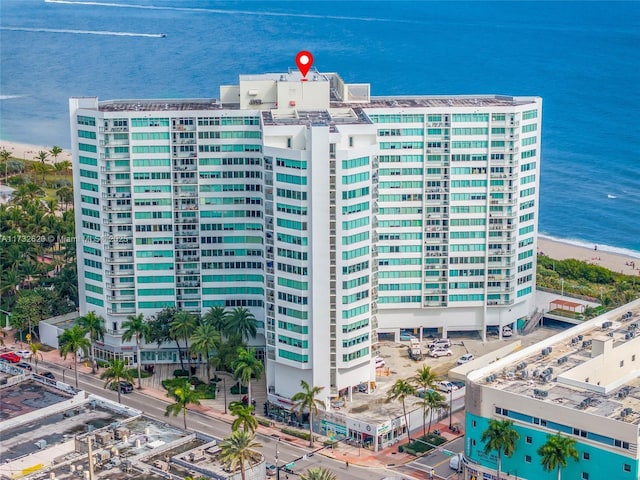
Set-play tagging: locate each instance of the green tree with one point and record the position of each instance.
(204, 340)
(501, 437)
(432, 400)
(55, 151)
(318, 473)
(135, 326)
(94, 324)
(400, 390)
(556, 451)
(71, 341)
(117, 371)
(241, 322)
(247, 366)
(184, 395)
(244, 417)
(182, 327)
(425, 378)
(307, 399)
(237, 451)
(217, 317)
(41, 169)
(34, 348)
(42, 156)
(64, 194)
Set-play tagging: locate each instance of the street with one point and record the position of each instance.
(217, 428)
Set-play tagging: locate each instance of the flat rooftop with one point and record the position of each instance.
(26, 397)
(558, 372)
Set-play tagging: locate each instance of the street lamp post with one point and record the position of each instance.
(224, 391)
(562, 286)
(450, 408)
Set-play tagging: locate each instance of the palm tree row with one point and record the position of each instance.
(423, 383)
(502, 437)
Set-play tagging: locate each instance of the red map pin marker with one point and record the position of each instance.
(304, 60)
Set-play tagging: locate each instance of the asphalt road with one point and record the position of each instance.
(436, 460)
(211, 426)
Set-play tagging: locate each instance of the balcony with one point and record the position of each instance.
(188, 258)
(112, 129)
(186, 246)
(115, 181)
(116, 221)
(117, 259)
(116, 208)
(180, 127)
(188, 296)
(185, 194)
(121, 298)
(121, 311)
(186, 220)
(187, 233)
(117, 273)
(187, 284)
(110, 195)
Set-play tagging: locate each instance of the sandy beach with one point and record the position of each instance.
(28, 152)
(613, 261)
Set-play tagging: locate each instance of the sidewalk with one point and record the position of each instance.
(357, 457)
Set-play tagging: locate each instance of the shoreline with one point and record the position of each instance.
(562, 250)
(25, 151)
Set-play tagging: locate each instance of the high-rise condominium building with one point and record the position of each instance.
(332, 215)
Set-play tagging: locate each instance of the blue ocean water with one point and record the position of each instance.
(581, 57)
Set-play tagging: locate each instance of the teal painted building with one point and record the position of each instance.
(583, 383)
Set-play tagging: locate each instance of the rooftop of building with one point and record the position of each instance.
(357, 98)
(594, 367)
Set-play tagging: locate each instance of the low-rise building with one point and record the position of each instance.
(583, 383)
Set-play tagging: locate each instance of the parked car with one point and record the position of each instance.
(467, 357)
(458, 384)
(10, 357)
(446, 386)
(379, 362)
(271, 469)
(48, 375)
(124, 387)
(24, 365)
(455, 463)
(506, 331)
(440, 352)
(440, 343)
(24, 354)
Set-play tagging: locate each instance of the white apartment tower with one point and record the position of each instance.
(332, 215)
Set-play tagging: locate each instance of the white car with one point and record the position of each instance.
(24, 353)
(465, 358)
(440, 352)
(440, 343)
(506, 331)
(446, 386)
(379, 362)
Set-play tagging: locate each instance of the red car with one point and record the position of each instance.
(10, 357)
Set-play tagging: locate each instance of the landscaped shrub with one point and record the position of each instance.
(265, 423)
(208, 390)
(180, 373)
(235, 390)
(296, 433)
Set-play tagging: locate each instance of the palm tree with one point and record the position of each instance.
(318, 473)
(72, 340)
(400, 391)
(55, 151)
(41, 169)
(556, 452)
(241, 322)
(431, 401)
(217, 317)
(94, 324)
(116, 372)
(34, 348)
(247, 366)
(244, 417)
(425, 378)
(501, 437)
(307, 400)
(205, 340)
(42, 156)
(236, 451)
(182, 326)
(184, 396)
(64, 194)
(136, 326)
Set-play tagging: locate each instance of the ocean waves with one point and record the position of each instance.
(84, 32)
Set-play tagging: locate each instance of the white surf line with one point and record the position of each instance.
(84, 32)
(229, 12)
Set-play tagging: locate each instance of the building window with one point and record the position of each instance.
(289, 142)
(585, 476)
(621, 363)
(633, 358)
(529, 439)
(473, 442)
(473, 423)
(527, 458)
(586, 456)
(351, 141)
(626, 467)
